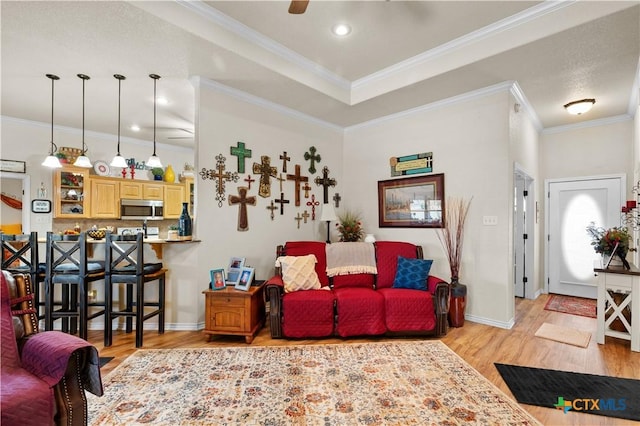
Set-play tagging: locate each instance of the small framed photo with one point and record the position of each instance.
(246, 278)
(217, 279)
(236, 262)
(234, 270)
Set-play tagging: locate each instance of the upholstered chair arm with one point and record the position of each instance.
(273, 293)
(440, 291)
(48, 354)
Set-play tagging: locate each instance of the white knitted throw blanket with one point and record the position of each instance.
(350, 258)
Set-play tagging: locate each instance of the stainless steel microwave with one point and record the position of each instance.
(141, 209)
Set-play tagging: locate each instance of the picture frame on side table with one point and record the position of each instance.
(234, 270)
(217, 279)
(414, 202)
(246, 278)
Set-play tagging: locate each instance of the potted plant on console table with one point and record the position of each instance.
(451, 238)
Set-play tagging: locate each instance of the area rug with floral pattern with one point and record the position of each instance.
(381, 383)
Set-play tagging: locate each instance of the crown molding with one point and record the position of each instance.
(517, 93)
(261, 102)
(586, 124)
(259, 39)
(465, 97)
(634, 98)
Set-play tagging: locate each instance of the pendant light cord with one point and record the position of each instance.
(53, 78)
(155, 99)
(84, 79)
(119, 92)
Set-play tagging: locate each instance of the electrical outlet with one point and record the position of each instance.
(490, 220)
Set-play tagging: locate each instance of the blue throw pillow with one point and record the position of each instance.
(412, 273)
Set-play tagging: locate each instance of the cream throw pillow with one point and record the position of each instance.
(299, 272)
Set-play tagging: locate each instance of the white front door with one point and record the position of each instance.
(573, 204)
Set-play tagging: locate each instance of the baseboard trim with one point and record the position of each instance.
(487, 321)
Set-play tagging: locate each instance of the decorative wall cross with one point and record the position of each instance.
(337, 198)
(242, 200)
(313, 203)
(266, 172)
(305, 216)
(298, 218)
(311, 156)
(306, 188)
(220, 176)
(325, 182)
(249, 180)
(272, 207)
(241, 152)
(284, 159)
(282, 202)
(281, 179)
(297, 178)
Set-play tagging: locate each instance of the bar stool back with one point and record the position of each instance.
(21, 256)
(124, 264)
(69, 267)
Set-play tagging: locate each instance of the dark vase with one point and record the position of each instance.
(457, 303)
(157, 177)
(184, 223)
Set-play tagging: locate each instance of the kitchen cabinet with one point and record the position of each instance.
(105, 198)
(189, 194)
(173, 199)
(136, 190)
(71, 194)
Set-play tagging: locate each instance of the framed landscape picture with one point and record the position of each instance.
(415, 202)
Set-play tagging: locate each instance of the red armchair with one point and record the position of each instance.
(43, 375)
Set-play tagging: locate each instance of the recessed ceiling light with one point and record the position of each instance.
(579, 107)
(162, 100)
(135, 128)
(341, 29)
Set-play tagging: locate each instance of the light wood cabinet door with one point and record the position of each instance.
(131, 190)
(152, 191)
(105, 198)
(70, 199)
(173, 199)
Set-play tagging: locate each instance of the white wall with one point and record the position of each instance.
(9, 215)
(470, 145)
(222, 120)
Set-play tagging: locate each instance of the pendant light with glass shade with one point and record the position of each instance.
(83, 160)
(118, 160)
(154, 160)
(51, 160)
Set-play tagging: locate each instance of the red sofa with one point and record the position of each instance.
(357, 304)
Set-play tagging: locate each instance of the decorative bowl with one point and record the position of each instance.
(97, 234)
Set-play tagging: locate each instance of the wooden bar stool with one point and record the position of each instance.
(69, 267)
(124, 264)
(20, 255)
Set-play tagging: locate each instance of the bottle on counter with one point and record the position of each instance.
(77, 228)
(184, 223)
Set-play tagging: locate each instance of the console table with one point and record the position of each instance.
(625, 283)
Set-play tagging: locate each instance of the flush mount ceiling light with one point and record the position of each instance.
(118, 160)
(154, 161)
(135, 127)
(341, 29)
(51, 160)
(83, 160)
(579, 107)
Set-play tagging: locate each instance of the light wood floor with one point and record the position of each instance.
(479, 345)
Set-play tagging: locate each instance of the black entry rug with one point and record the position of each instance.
(104, 360)
(588, 393)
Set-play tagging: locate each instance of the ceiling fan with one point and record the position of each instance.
(298, 7)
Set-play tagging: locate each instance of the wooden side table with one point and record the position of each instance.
(626, 283)
(234, 312)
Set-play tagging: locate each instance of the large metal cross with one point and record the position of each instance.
(311, 156)
(220, 176)
(242, 200)
(266, 172)
(297, 178)
(241, 152)
(282, 202)
(326, 182)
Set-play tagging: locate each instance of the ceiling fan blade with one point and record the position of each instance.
(298, 6)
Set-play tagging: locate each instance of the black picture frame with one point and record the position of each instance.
(41, 206)
(414, 202)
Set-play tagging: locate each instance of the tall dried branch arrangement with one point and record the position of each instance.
(451, 236)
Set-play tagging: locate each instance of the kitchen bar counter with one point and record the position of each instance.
(156, 244)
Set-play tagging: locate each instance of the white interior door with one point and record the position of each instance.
(572, 206)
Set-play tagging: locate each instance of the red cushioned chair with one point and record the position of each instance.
(43, 375)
